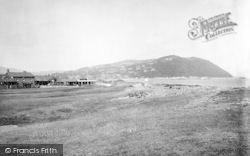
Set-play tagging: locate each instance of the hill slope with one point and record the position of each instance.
(175, 66)
(168, 66)
(3, 70)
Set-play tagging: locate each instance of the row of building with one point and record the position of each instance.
(24, 79)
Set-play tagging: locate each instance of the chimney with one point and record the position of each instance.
(8, 70)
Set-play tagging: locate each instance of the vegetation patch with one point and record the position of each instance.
(15, 120)
(65, 110)
(137, 95)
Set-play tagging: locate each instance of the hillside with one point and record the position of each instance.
(48, 72)
(175, 66)
(168, 66)
(3, 70)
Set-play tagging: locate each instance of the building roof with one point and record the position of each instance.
(20, 74)
(1, 76)
(86, 80)
(45, 78)
(83, 78)
(6, 78)
(80, 80)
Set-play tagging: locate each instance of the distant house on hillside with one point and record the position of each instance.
(17, 80)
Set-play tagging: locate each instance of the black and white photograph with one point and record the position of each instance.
(124, 78)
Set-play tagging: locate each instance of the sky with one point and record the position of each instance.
(43, 35)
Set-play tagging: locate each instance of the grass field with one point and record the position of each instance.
(163, 120)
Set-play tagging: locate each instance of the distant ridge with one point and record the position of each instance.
(121, 63)
(167, 66)
(3, 70)
(48, 72)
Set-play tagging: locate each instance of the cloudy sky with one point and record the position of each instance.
(41, 35)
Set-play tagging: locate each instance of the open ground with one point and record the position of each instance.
(133, 119)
